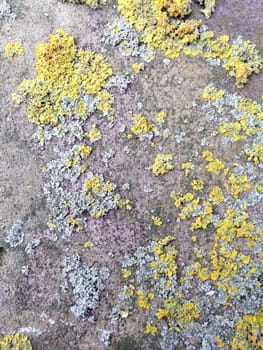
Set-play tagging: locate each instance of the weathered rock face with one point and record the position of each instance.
(130, 182)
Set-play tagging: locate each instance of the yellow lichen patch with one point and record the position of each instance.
(187, 167)
(162, 164)
(13, 49)
(244, 61)
(128, 291)
(142, 126)
(151, 18)
(88, 245)
(143, 300)
(126, 273)
(213, 165)
(18, 341)
(220, 342)
(178, 8)
(210, 6)
(137, 67)
(93, 184)
(197, 184)
(75, 224)
(186, 202)
(232, 130)
(182, 313)
(63, 74)
(84, 151)
(105, 101)
(93, 134)
(211, 93)
(218, 47)
(156, 220)
(162, 25)
(248, 332)
(94, 4)
(150, 329)
(216, 195)
(161, 116)
(237, 184)
(204, 218)
(256, 154)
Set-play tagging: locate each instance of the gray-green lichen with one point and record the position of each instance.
(86, 283)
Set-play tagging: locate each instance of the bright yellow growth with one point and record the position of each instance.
(214, 165)
(256, 154)
(94, 4)
(248, 333)
(137, 67)
(162, 164)
(142, 125)
(150, 329)
(63, 73)
(13, 49)
(165, 261)
(237, 184)
(93, 134)
(244, 60)
(216, 195)
(151, 18)
(197, 184)
(187, 167)
(183, 314)
(157, 220)
(186, 202)
(204, 218)
(162, 25)
(143, 300)
(88, 245)
(84, 151)
(126, 273)
(161, 116)
(92, 184)
(18, 341)
(211, 93)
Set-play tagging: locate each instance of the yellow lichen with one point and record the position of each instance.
(142, 125)
(13, 49)
(18, 341)
(150, 329)
(63, 72)
(162, 164)
(137, 67)
(94, 4)
(248, 332)
(156, 220)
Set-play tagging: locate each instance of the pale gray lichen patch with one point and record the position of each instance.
(86, 283)
(15, 237)
(121, 34)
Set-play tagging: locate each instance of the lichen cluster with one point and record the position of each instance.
(154, 21)
(215, 301)
(69, 88)
(226, 274)
(18, 341)
(94, 4)
(87, 283)
(13, 49)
